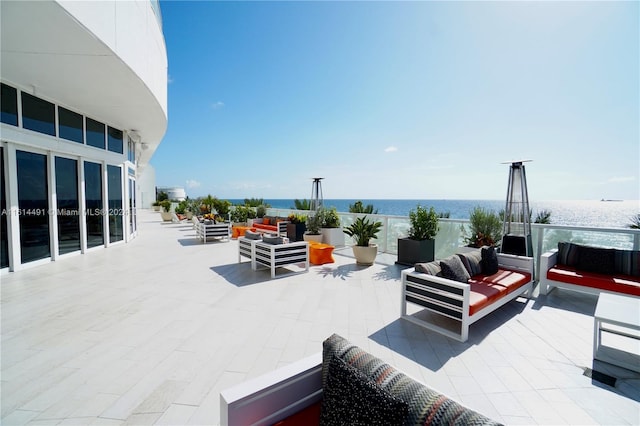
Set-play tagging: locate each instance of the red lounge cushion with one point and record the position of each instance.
(625, 284)
(482, 295)
(267, 227)
(512, 280)
(487, 289)
(309, 416)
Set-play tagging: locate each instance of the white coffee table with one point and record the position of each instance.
(619, 315)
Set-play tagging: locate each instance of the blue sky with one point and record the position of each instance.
(419, 100)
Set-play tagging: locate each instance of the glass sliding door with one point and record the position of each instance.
(68, 212)
(93, 203)
(4, 238)
(116, 230)
(33, 204)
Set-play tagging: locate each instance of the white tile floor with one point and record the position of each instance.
(150, 332)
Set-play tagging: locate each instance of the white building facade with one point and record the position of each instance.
(83, 109)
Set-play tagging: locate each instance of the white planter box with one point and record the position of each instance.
(333, 236)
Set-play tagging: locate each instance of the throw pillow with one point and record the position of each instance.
(627, 262)
(431, 268)
(567, 254)
(271, 239)
(594, 259)
(489, 260)
(453, 269)
(350, 398)
(471, 261)
(250, 235)
(265, 220)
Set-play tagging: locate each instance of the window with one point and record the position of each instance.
(38, 115)
(95, 133)
(132, 151)
(9, 108)
(33, 205)
(93, 203)
(70, 126)
(115, 141)
(68, 213)
(116, 228)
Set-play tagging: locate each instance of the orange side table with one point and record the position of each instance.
(238, 231)
(320, 253)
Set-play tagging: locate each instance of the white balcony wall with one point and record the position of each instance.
(130, 29)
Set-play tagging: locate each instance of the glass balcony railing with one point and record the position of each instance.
(452, 232)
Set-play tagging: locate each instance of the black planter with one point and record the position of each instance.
(295, 231)
(411, 251)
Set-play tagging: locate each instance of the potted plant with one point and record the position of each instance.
(485, 228)
(419, 246)
(296, 227)
(363, 230)
(313, 228)
(156, 206)
(330, 229)
(165, 213)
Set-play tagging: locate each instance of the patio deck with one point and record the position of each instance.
(150, 332)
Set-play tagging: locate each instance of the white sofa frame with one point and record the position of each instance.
(547, 261)
(448, 298)
(274, 396)
(209, 231)
(246, 248)
(275, 256)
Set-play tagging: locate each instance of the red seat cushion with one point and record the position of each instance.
(309, 416)
(486, 289)
(267, 227)
(625, 284)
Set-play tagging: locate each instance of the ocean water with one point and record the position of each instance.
(588, 213)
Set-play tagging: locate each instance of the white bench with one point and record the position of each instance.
(213, 230)
(274, 256)
(445, 298)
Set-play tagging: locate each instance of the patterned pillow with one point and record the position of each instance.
(595, 259)
(489, 260)
(627, 262)
(567, 254)
(250, 235)
(431, 268)
(269, 239)
(471, 261)
(350, 398)
(426, 406)
(453, 269)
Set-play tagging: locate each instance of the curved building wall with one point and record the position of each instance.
(84, 106)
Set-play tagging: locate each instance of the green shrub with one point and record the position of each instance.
(485, 228)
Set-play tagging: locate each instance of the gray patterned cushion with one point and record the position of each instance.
(426, 406)
(351, 398)
(250, 235)
(269, 239)
(453, 269)
(431, 268)
(471, 261)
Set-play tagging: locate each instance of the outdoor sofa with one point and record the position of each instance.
(269, 224)
(343, 385)
(590, 269)
(457, 291)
